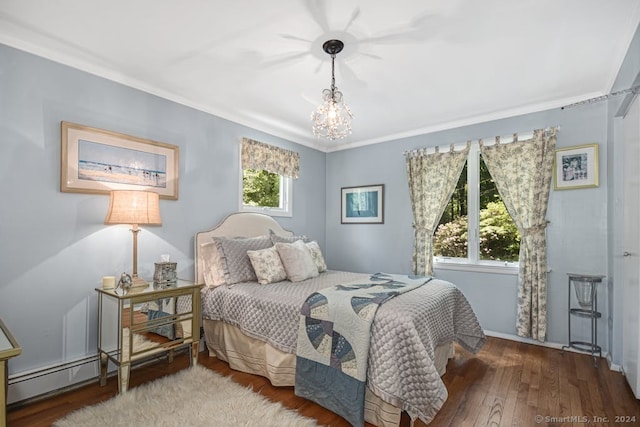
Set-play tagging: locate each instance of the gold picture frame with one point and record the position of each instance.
(96, 161)
(576, 167)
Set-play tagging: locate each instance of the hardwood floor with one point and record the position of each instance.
(506, 384)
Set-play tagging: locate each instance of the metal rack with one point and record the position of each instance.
(586, 289)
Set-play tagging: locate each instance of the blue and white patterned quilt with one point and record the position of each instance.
(333, 341)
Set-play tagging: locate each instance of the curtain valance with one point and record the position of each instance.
(261, 156)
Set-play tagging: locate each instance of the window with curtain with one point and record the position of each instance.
(521, 173)
(267, 175)
(476, 227)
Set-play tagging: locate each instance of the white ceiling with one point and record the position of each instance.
(408, 66)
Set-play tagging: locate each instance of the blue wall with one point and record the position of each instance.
(55, 248)
(577, 234)
(584, 235)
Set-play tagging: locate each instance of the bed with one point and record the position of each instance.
(254, 326)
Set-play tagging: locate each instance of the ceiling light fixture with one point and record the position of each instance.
(332, 119)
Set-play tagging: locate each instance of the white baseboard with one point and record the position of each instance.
(39, 383)
(512, 337)
(613, 366)
(548, 344)
(27, 385)
(36, 384)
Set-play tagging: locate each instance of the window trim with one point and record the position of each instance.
(509, 268)
(473, 261)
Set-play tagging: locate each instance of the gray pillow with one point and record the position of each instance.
(236, 265)
(276, 238)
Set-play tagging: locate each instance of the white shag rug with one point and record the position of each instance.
(195, 396)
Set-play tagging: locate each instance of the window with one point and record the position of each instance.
(267, 192)
(266, 180)
(476, 205)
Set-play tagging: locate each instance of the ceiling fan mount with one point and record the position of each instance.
(333, 47)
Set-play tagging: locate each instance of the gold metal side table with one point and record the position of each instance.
(119, 344)
(8, 348)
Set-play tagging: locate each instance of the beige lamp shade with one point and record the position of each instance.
(134, 207)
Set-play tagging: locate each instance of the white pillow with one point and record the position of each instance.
(212, 271)
(267, 265)
(316, 254)
(297, 260)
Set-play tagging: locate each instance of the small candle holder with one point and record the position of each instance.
(108, 282)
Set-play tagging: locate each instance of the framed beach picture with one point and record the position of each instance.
(363, 205)
(576, 167)
(97, 161)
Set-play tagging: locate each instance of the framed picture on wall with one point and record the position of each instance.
(362, 205)
(97, 161)
(576, 167)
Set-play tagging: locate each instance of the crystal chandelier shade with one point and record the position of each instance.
(332, 118)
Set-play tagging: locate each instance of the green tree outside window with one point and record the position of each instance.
(499, 237)
(260, 188)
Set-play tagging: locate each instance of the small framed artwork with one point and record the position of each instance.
(362, 205)
(576, 167)
(97, 161)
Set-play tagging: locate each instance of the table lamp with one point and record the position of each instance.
(135, 208)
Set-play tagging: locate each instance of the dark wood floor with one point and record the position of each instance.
(506, 384)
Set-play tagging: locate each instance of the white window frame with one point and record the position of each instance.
(286, 195)
(473, 261)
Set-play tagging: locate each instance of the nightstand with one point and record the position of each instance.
(119, 338)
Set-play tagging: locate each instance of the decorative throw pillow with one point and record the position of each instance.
(297, 261)
(212, 269)
(316, 254)
(267, 265)
(275, 238)
(235, 261)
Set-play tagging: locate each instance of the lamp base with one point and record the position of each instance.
(138, 282)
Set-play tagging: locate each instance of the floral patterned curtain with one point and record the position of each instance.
(522, 173)
(261, 156)
(432, 180)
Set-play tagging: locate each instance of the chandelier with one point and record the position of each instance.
(332, 118)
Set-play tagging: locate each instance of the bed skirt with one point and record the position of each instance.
(247, 354)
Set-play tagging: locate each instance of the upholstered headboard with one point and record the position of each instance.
(240, 224)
